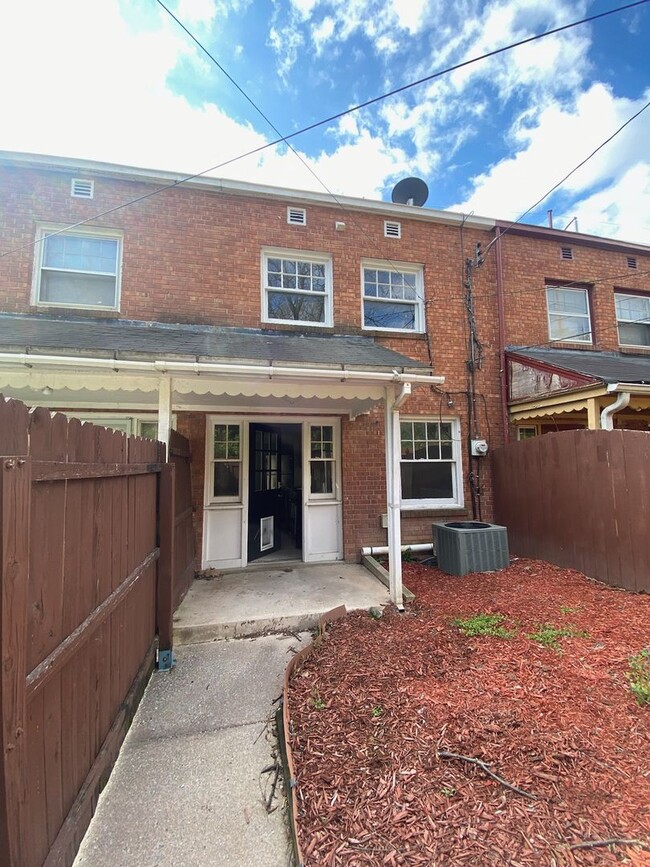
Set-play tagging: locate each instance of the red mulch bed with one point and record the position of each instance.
(373, 707)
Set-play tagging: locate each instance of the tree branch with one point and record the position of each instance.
(490, 773)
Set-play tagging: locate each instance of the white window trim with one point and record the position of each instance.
(458, 500)
(44, 229)
(131, 421)
(521, 427)
(406, 267)
(306, 256)
(618, 294)
(210, 498)
(332, 495)
(589, 341)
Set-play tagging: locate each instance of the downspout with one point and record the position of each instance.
(607, 415)
(501, 316)
(393, 491)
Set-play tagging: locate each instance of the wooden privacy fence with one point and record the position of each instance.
(579, 499)
(90, 573)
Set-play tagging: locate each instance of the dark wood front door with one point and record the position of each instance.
(264, 494)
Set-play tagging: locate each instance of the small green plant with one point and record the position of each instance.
(448, 791)
(316, 699)
(407, 556)
(483, 624)
(639, 676)
(568, 609)
(550, 635)
(376, 711)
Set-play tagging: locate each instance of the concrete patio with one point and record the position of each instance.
(289, 597)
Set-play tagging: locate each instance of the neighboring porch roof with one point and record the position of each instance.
(121, 338)
(548, 382)
(599, 366)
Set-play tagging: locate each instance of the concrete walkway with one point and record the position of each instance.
(187, 789)
(287, 597)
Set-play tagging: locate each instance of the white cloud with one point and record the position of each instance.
(322, 33)
(553, 142)
(621, 210)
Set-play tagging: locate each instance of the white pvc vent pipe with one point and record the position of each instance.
(383, 549)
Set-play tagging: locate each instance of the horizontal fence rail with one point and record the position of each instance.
(91, 565)
(579, 499)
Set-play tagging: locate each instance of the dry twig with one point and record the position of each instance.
(490, 773)
(614, 841)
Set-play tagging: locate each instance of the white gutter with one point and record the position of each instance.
(197, 367)
(632, 387)
(371, 550)
(606, 416)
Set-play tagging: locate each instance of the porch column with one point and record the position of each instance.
(393, 496)
(593, 414)
(165, 410)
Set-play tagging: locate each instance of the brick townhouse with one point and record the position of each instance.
(334, 365)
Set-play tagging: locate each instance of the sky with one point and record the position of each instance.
(120, 82)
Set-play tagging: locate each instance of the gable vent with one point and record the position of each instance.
(631, 262)
(566, 253)
(297, 216)
(392, 230)
(82, 189)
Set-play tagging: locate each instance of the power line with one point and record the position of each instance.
(331, 118)
(567, 176)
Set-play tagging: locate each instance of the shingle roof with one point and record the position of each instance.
(605, 366)
(126, 338)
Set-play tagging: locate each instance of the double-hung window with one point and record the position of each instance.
(633, 319)
(296, 287)
(80, 268)
(392, 296)
(322, 467)
(226, 462)
(430, 463)
(569, 317)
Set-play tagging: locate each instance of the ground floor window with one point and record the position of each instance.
(226, 462)
(430, 463)
(527, 432)
(321, 459)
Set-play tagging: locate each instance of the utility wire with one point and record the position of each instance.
(327, 120)
(567, 176)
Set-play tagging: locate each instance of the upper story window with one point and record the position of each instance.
(296, 287)
(633, 319)
(430, 465)
(392, 296)
(569, 317)
(80, 268)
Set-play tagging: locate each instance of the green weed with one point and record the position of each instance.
(550, 635)
(448, 791)
(376, 711)
(316, 699)
(483, 624)
(568, 609)
(639, 676)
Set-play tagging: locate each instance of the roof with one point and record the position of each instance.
(608, 367)
(242, 188)
(121, 338)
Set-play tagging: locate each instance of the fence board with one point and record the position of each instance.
(579, 499)
(79, 557)
(15, 485)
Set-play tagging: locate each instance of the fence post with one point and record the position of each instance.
(166, 541)
(15, 492)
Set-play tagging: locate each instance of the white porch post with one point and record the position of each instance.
(393, 495)
(165, 410)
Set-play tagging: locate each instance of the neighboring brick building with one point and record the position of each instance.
(577, 327)
(276, 330)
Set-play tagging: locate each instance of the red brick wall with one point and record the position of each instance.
(529, 263)
(193, 256)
